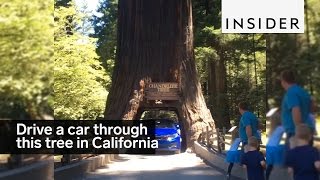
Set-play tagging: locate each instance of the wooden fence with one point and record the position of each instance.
(220, 140)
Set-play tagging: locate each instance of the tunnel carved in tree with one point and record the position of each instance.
(155, 42)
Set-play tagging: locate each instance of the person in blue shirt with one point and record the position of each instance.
(303, 161)
(296, 105)
(254, 161)
(248, 126)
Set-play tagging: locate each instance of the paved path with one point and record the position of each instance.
(184, 166)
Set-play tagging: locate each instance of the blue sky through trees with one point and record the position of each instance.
(92, 4)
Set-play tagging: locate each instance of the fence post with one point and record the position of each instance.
(66, 158)
(224, 132)
(202, 137)
(15, 160)
(80, 156)
(218, 140)
(208, 137)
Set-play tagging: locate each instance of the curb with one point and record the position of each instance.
(80, 169)
(38, 171)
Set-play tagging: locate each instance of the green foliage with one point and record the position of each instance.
(26, 31)
(80, 80)
(105, 27)
(203, 56)
(299, 52)
(239, 60)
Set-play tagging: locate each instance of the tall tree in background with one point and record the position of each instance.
(231, 66)
(26, 55)
(207, 19)
(155, 42)
(105, 30)
(80, 80)
(300, 52)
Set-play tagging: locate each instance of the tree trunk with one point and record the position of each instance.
(218, 91)
(155, 43)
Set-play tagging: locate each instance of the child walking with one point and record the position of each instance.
(274, 151)
(253, 160)
(303, 161)
(248, 126)
(233, 156)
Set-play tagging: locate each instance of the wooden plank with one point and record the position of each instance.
(150, 96)
(161, 94)
(162, 91)
(162, 98)
(228, 137)
(159, 90)
(228, 143)
(162, 85)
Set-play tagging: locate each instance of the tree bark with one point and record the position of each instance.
(218, 91)
(222, 98)
(155, 43)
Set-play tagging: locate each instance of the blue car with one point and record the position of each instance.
(167, 133)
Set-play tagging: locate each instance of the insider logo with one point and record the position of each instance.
(262, 16)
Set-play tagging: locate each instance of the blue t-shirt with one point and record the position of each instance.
(247, 119)
(302, 159)
(275, 136)
(295, 97)
(235, 145)
(252, 160)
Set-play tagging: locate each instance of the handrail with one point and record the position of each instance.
(217, 139)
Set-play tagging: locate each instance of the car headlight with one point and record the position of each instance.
(171, 137)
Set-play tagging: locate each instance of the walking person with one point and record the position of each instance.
(233, 155)
(248, 127)
(296, 105)
(303, 161)
(253, 160)
(275, 152)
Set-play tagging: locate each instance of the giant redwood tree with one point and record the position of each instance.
(155, 43)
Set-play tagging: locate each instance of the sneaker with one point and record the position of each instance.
(228, 176)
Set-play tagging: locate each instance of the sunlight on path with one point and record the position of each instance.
(184, 166)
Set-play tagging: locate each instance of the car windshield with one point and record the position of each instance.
(164, 124)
